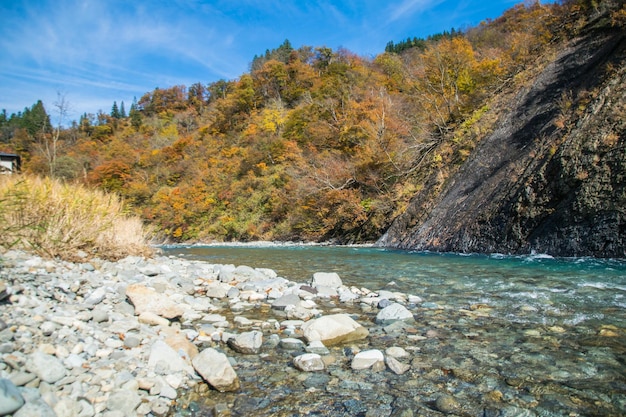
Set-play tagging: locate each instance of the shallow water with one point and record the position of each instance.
(503, 335)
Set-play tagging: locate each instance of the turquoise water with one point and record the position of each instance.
(503, 335)
(563, 291)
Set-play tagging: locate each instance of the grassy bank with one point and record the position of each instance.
(56, 219)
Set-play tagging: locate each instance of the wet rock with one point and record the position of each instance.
(247, 343)
(318, 347)
(216, 369)
(309, 362)
(148, 300)
(4, 293)
(396, 366)
(334, 329)
(366, 359)
(291, 344)
(394, 312)
(447, 404)
(10, 397)
(397, 352)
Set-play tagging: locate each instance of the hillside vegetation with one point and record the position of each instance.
(312, 143)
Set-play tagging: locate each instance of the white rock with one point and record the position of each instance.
(216, 369)
(147, 299)
(153, 319)
(396, 366)
(47, 367)
(96, 296)
(397, 352)
(164, 358)
(334, 329)
(309, 362)
(124, 401)
(368, 359)
(326, 279)
(394, 312)
(247, 342)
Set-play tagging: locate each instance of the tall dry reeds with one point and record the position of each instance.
(58, 219)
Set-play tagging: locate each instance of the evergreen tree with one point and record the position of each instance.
(36, 120)
(122, 110)
(115, 112)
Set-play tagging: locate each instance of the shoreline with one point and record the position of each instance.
(168, 336)
(69, 330)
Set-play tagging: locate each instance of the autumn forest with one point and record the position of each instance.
(311, 144)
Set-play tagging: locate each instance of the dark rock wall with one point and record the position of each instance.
(550, 177)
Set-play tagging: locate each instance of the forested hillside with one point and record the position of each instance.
(313, 143)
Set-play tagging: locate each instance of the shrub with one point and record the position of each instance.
(56, 219)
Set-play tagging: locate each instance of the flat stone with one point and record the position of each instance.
(394, 312)
(47, 367)
(326, 279)
(291, 343)
(334, 329)
(368, 359)
(165, 359)
(10, 397)
(286, 300)
(218, 290)
(148, 300)
(318, 347)
(35, 408)
(153, 319)
(247, 342)
(396, 366)
(124, 401)
(309, 362)
(22, 378)
(216, 369)
(397, 352)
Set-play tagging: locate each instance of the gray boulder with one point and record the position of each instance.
(326, 279)
(247, 343)
(394, 312)
(334, 329)
(216, 369)
(309, 362)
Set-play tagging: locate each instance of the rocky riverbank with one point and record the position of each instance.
(125, 338)
(168, 336)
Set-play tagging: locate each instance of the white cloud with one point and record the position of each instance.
(408, 8)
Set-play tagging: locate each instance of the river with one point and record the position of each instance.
(553, 329)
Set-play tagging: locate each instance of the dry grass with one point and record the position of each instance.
(56, 219)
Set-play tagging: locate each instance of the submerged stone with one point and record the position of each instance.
(334, 329)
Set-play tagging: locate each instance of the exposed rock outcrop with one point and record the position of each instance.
(551, 177)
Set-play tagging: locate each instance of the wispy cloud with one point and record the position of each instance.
(408, 8)
(100, 51)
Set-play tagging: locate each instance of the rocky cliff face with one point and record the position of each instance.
(551, 176)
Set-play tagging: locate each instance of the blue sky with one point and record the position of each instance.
(98, 51)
